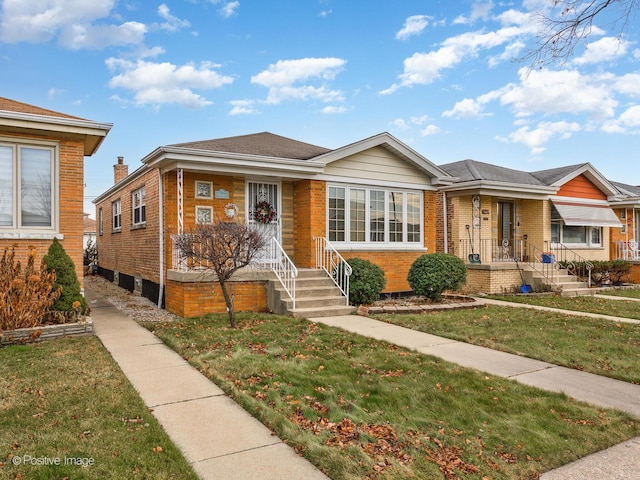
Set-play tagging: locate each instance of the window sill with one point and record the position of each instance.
(31, 236)
(138, 226)
(116, 230)
(386, 247)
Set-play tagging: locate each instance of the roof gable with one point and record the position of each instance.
(393, 145)
(558, 177)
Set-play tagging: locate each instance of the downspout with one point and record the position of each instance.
(446, 228)
(161, 236)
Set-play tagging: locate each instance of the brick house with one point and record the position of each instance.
(42, 178)
(374, 199)
(502, 215)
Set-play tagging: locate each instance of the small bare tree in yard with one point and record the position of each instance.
(224, 248)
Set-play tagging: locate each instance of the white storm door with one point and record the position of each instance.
(263, 212)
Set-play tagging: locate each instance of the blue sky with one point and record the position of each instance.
(439, 75)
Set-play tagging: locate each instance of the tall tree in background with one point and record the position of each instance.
(223, 248)
(568, 22)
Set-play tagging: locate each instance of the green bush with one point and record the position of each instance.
(366, 281)
(433, 273)
(71, 299)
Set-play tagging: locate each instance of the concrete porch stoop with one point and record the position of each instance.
(568, 284)
(316, 296)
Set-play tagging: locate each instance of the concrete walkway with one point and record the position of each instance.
(619, 462)
(218, 437)
(221, 440)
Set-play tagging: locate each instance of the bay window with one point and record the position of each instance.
(374, 216)
(27, 187)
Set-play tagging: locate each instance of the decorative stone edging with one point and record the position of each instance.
(46, 332)
(413, 309)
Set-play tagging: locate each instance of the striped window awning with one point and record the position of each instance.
(585, 214)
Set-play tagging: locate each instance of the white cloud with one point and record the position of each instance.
(628, 84)
(228, 9)
(467, 108)
(479, 10)
(71, 21)
(425, 68)
(283, 79)
(563, 91)
(413, 25)
(627, 122)
(165, 83)
(400, 124)
(172, 23)
(333, 109)
(537, 138)
(242, 107)
(605, 49)
(430, 130)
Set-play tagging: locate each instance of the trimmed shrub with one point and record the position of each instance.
(25, 293)
(71, 299)
(433, 273)
(366, 281)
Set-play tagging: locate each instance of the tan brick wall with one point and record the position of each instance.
(71, 206)
(491, 280)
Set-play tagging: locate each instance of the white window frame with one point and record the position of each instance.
(588, 236)
(16, 227)
(386, 243)
(100, 219)
(140, 208)
(116, 214)
(197, 188)
(209, 210)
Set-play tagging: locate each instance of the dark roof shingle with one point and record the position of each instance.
(262, 144)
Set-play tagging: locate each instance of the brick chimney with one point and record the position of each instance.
(120, 170)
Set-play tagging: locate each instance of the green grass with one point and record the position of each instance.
(617, 308)
(67, 399)
(603, 347)
(361, 408)
(622, 292)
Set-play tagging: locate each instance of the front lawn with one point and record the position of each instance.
(603, 347)
(67, 402)
(586, 303)
(361, 408)
(622, 292)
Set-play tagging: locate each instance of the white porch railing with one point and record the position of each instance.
(285, 270)
(328, 259)
(626, 250)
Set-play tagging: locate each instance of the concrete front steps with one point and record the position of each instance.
(316, 296)
(568, 285)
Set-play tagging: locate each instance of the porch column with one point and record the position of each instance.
(180, 184)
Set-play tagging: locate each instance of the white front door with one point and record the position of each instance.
(263, 211)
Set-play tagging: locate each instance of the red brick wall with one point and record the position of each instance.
(196, 299)
(132, 250)
(71, 218)
(309, 219)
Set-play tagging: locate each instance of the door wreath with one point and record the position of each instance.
(264, 212)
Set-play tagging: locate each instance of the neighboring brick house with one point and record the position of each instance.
(374, 199)
(42, 177)
(502, 214)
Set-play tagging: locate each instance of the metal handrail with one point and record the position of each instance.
(285, 270)
(574, 263)
(328, 259)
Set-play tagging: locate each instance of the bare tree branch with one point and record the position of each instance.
(571, 22)
(224, 248)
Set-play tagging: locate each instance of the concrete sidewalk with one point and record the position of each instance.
(619, 462)
(218, 437)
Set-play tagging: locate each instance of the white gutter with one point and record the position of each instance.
(161, 235)
(444, 216)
